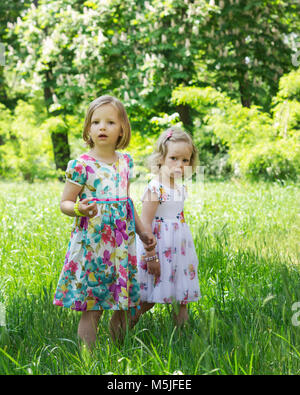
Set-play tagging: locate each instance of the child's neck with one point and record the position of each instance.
(167, 181)
(105, 155)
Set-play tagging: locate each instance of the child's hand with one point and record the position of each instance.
(89, 210)
(154, 268)
(149, 240)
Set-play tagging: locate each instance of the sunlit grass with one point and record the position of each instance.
(247, 241)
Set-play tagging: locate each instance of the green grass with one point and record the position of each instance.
(247, 241)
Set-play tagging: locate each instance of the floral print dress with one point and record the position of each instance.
(100, 270)
(175, 248)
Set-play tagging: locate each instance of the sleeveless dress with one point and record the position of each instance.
(175, 248)
(100, 270)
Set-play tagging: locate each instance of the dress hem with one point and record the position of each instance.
(174, 300)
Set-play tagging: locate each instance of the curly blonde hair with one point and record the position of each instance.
(100, 101)
(173, 134)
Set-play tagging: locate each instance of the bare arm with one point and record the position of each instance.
(143, 231)
(149, 208)
(69, 197)
(144, 223)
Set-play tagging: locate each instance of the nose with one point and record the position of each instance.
(181, 165)
(101, 125)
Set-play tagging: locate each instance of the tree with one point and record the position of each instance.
(258, 145)
(138, 50)
(44, 60)
(247, 45)
(286, 109)
(150, 49)
(9, 12)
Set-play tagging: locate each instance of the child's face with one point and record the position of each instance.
(105, 126)
(178, 156)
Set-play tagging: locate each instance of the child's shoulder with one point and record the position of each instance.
(154, 182)
(84, 158)
(76, 171)
(155, 186)
(75, 162)
(81, 160)
(165, 192)
(127, 157)
(82, 164)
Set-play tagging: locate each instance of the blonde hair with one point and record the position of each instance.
(126, 129)
(173, 134)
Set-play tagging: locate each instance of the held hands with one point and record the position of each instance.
(148, 240)
(86, 209)
(153, 267)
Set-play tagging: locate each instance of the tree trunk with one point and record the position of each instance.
(3, 95)
(185, 116)
(242, 75)
(244, 91)
(61, 149)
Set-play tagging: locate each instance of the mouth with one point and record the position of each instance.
(102, 135)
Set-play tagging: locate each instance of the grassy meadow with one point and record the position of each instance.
(247, 240)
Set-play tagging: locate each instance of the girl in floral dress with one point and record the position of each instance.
(168, 274)
(99, 271)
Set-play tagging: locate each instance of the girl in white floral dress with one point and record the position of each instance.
(168, 274)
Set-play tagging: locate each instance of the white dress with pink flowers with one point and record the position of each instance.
(175, 248)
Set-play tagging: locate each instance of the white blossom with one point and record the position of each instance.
(123, 36)
(114, 39)
(101, 38)
(195, 30)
